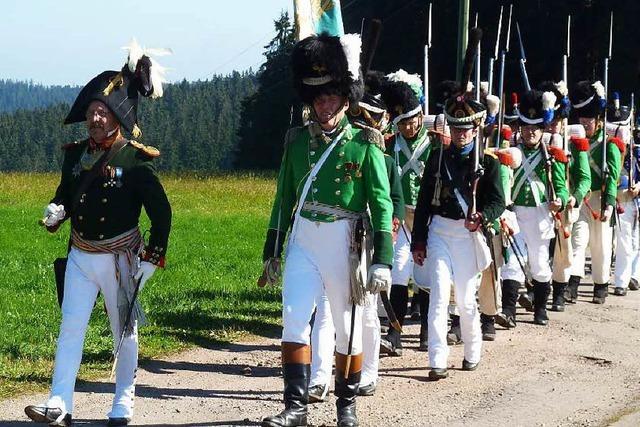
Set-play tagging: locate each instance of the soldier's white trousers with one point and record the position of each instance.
(402, 269)
(86, 275)
(323, 339)
(317, 263)
(451, 259)
(598, 236)
(627, 243)
(536, 231)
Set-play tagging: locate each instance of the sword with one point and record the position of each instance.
(393, 319)
(124, 329)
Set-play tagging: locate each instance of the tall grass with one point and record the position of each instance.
(205, 296)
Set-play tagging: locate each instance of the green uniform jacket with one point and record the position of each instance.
(112, 203)
(396, 188)
(613, 161)
(353, 176)
(579, 172)
(410, 180)
(525, 196)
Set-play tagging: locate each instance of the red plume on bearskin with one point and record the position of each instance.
(619, 143)
(582, 144)
(558, 154)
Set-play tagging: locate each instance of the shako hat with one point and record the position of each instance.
(120, 90)
(618, 114)
(324, 64)
(588, 99)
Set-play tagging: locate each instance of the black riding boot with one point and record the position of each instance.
(559, 290)
(346, 389)
(415, 304)
(600, 292)
(541, 292)
(507, 319)
(571, 293)
(424, 315)
(526, 299)
(487, 324)
(296, 383)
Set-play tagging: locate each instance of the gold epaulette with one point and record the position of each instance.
(373, 136)
(490, 152)
(146, 149)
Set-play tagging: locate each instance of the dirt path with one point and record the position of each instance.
(582, 370)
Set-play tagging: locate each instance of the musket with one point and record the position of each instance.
(495, 54)
(523, 61)
(427, 46)
(477, 79)
(508, 233)
(551, 191)
(632, 141)
(605, 168)
(565, 78)
(503, 57)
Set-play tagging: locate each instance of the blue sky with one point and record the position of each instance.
(70, 41)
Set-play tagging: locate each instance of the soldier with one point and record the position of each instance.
(369, 113)
(106, 180)
(449, 246)
(593, 227)
(539, 193)
(579, 184)
(410, 147)
(627, 231)
(331, 171)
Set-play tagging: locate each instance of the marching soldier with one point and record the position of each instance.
(331, 171)
(627, 231)
(579, 184)
(593, 228)
(410, 147)
(106, 180)
(370, 112)
(539, 193)
(450, 247)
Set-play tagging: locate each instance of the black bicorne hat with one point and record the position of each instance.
(120, 90)
(588, 99)
(324, 64)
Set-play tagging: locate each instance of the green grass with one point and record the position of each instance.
(206, 296)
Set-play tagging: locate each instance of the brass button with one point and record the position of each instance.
(313, 153)
(314, 178)
(81, 234)
(341, 154)
(313, 164)
(80, 217)
(337, 192)
(315, 190)
(101, 236)
(337, 180)
(338, 167)
(102, 219)
(314, 215)
(104, 200)
(105, 185)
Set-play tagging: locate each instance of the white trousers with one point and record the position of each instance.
(627, 243)
(563, 262)
(323, 339)
(86, 275)
(451, 259)
(598, 236)
(512, 269)
(402, 270)
(317, 264)
(536, 231)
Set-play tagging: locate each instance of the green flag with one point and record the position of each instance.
(318, 16)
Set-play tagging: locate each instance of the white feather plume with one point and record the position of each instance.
(561, 87)
(599, 88)
(548, 100)
(352, 47)
(135, 52)
(493, 105)
(484, 87)
(402, 76)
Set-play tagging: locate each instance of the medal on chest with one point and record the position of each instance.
(113, 176)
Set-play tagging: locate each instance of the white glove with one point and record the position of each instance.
(144, 273)
(379, 278)
(607, 214)
(53, 214)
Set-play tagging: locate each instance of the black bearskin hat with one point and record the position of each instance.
(401, 100)
(536, 108)
(324, 64)
(588, 99)
(562, 106)
(443, 91)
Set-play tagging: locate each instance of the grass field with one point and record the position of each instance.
(206, 295)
